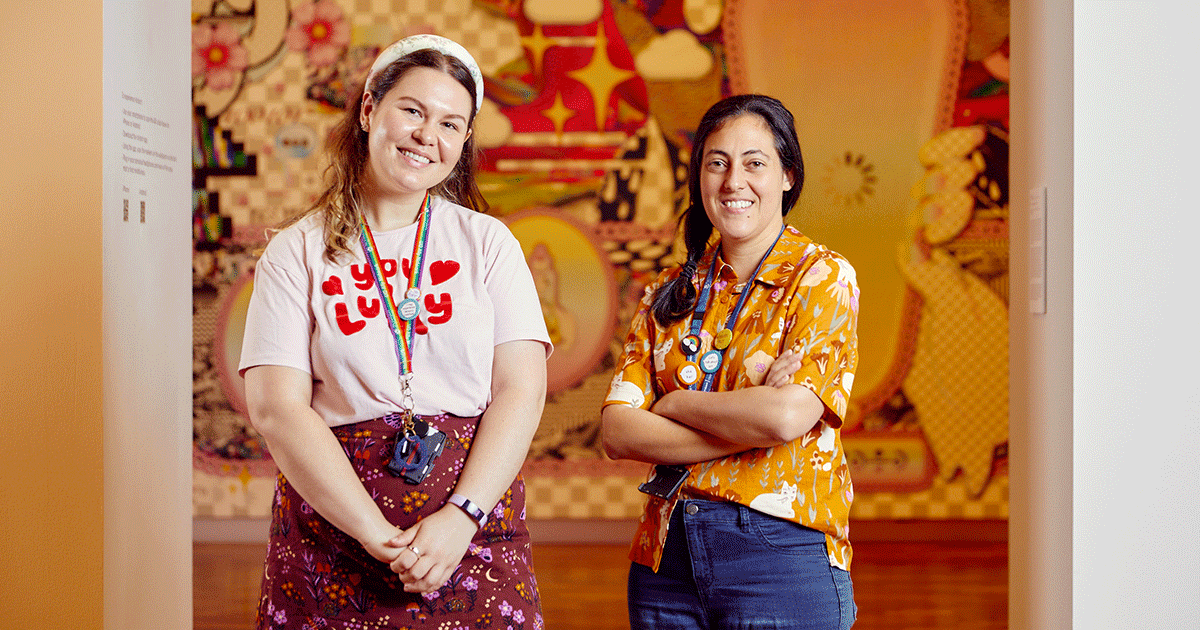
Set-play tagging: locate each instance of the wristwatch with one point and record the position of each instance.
(469, 507)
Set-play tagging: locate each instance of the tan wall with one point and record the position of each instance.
(51, 426)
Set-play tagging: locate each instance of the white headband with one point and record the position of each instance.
(445, 46)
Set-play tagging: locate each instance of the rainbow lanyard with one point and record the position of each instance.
(401, 317)
(710, 362)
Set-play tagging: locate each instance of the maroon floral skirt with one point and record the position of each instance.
(318, 578)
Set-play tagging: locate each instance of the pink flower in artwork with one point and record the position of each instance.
(320, 29)
(217, 54)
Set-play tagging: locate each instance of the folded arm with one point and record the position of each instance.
(685, 427)
(753, 417)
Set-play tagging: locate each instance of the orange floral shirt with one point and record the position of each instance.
(805, 297)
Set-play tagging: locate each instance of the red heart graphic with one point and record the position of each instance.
(421, 328)
(332, 286)
(442, 270)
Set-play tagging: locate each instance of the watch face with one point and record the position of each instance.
(469, 507)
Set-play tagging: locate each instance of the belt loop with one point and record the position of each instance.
(743, 517)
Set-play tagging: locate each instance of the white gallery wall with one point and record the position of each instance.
(1136, 555)
(147, 315)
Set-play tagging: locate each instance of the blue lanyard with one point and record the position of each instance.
(702, 305)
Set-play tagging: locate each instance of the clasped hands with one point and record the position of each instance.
(425, 555)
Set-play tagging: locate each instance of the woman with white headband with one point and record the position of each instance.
(395, 363)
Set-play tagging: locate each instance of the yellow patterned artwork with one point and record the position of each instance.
(575, 284)
(902, 111)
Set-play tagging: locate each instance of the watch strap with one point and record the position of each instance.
(469, 506)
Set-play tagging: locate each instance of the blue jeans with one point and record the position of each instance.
(726, 566)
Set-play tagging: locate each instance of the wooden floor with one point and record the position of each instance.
(907, 585)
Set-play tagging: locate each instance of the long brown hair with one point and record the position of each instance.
(348, 156)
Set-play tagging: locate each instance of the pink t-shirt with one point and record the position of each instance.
(327, 319)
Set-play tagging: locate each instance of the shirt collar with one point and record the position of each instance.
(788, 255)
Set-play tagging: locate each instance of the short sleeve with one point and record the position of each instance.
(279, 319)
(823, 327)
(633, 383)
(518, 312)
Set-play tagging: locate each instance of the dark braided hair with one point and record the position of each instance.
(676, 298)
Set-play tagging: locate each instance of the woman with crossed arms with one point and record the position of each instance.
(734, 381)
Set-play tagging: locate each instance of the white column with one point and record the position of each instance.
(1040, 431)
(147, 315)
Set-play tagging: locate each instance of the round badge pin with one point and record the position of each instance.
(721, 341)
(408, 309)
(688, 374)
(413, 293)
(690, 344)
(711, 361)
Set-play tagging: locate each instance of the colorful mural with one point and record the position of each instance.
(902, 111)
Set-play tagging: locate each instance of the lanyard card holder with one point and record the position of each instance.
(416, 451)
(665, 482)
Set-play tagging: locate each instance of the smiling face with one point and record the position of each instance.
(417, 132)
(742, 182)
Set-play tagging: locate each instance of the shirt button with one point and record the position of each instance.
(692, 509)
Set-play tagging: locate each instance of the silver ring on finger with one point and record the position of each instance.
(415, 551)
